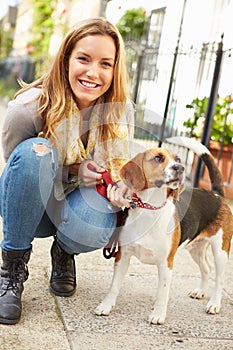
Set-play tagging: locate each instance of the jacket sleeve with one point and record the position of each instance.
(21, 121)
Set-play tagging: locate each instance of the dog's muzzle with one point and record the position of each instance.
(178, 168)
(174, 176)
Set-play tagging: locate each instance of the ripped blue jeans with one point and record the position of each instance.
(83, 221)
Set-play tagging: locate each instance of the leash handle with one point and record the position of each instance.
(102, 188)
(109, 253)
(110, 250)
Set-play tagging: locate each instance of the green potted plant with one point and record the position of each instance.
(222, 126)
(221, 136)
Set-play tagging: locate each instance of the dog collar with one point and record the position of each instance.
(137, 202)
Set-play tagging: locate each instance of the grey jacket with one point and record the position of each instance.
(21, 121)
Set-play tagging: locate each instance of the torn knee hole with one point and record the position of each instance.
(41, 149)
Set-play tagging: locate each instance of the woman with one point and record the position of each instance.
(60, 134)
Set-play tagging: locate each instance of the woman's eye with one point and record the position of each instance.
(107, 64)
(82, 58)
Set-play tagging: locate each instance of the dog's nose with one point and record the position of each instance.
(178, 168)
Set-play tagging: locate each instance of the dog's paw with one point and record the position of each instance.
(213, 308)
(196, 294)
(104, 308)
(156, 318)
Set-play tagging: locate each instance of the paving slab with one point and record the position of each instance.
(187, 325)
(41, 326)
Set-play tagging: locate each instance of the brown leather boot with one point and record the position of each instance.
(13, 273)
(63, 277)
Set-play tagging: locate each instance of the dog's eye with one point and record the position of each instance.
(177, 160)
(159, 158)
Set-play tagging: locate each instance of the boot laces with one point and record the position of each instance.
(15, 275)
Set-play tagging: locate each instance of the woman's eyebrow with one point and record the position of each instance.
(86, 54)
(80, 52)
(108, 58)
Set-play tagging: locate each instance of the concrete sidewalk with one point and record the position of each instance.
(50, 322)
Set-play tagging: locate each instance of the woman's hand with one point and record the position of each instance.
(89, 176)
(117, 195)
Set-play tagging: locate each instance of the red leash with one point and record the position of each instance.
(110, 250)
(107, 180)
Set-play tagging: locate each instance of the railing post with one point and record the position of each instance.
(210, 110)
(138, 76)
(161, 138)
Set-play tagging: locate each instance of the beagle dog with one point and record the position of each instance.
(164, 215)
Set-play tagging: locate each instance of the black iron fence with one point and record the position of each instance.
(209, 67)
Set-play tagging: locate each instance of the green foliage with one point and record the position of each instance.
(8, 87)
(43, 26)
(6, 41)
(133, 23)
(133, 28)
(222, 126)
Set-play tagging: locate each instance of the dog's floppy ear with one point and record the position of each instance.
(175, 193)
(132, 173)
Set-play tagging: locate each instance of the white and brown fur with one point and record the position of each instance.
(197, 216)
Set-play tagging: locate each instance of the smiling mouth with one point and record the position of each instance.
(88, 84)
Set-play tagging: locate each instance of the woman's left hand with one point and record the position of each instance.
(117, 195)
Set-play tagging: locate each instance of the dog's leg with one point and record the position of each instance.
(158, 314)
(220, 259)
(198, 251)
(120, 270)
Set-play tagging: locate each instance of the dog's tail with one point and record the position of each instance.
(202, 151)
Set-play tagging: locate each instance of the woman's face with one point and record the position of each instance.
(91, 68)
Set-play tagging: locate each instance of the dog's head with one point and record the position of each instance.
(155, 167)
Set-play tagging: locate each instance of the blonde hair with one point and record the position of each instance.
(56, 91)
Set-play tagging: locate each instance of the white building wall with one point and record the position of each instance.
(203, 22)
(23, 30)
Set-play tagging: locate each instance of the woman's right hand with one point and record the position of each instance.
(89, 176)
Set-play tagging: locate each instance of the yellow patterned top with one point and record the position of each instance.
(112, 154)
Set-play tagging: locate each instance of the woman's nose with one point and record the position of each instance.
(93, 70)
